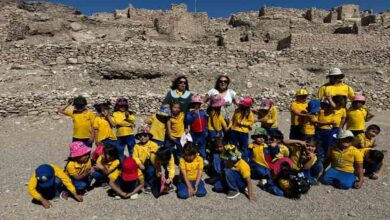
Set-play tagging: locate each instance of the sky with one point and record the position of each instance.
(217, 8)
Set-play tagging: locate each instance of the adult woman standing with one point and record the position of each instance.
(179, 93)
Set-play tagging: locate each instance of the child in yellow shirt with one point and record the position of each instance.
(46, 183)
(158, 124)
(236, 175)
(357, 115)
(242, 122)
(268, 115)
(145, 155)
(125, 123)
(366, 139)
(373, 163)
(82, 120)
(165, 162)
(191, 171)
(338, 103)
(258, 152)
(79, 166)
(216, 122)
(107, 167)
(309, 121)
(345, 160)
(175, 130)
(298, 110)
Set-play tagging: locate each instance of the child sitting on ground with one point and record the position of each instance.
(357, 115)
(196, 123)
(373, 163)
(191, 171)
(345, 160)
(107, 167)
(216, 122)
(366, 139)
(79, 166)
(175, 130)
(165, 160)
(158, 123)
(298, 111)
(236, 175)
(145, 155)
(258, 152)
(46, 184)
(215, 172)
(276, 147)
(82, 120)
(129, 183)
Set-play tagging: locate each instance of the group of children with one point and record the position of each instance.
(323, 132)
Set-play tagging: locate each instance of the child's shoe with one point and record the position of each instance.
(206, 163)
(232, 194)
(171, 188)
(148, 190)
(134, 197)
(262, 182)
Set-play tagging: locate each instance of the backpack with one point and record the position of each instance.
(299, 184)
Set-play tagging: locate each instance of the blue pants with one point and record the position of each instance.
(231, 181)
(324, 138)
(126, 186)
(117, 146)
(85, 141)
(339, 179)
(296, 132)
(200, 139)
(270, 129)
(81, 185)
(99, 177)
(241, 140)
(335, 132)
(259, 172)
(272, 187)
(149, 173)
(159, 143)
(370, 168)
(182, 190)
(52, 191)
(128, 140)
(176, 148)
(217, 165)
(213, 135)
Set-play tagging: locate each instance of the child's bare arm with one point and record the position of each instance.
(62, 109)
(169, 130)
(369, 116)
(117, 189)
(191, 190)
(251, 196)
(359, 170)
(198, 178)
(138, 188)
(310, 162)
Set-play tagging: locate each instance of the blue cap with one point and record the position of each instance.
(164, 111)
(314, 106)
(45, 175)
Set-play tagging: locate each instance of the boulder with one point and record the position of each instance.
(348, 11)
(82, 36)
(76, 26)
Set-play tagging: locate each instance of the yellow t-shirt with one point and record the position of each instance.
(283, 152)
(339, 114)
(192, 168)
(297, 107)
(270, 120)
(216, 122)
(104, 129)
(177, 125)
(296, 155)
(246, 122)
(363, 141)
(325, 118)
(258, 153)
(74, 168)
(345, 159)
(58, 172)
(243, 168)
(341, 89)
(124, 128)
(145, 152)
(112, 166)
(157, 128)
(356, 119)
(170, 167)
(82, 123)
(309, 126)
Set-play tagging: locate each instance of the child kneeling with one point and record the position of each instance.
(191, 170)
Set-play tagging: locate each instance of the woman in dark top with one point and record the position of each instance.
(179, 93)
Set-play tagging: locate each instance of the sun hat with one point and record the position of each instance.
(216, 101)
(259, 132)
(345, 134)
(129, 169)
(266, 104)
(314, 106)
(78, 149)
(231, 153)
(359, 98)
(301, 92)
(45, 175)
(143, 129)
(196, 99)
(334, 72)
(164, 111)
(247, 102)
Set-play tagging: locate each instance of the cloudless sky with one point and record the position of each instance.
(218, 8)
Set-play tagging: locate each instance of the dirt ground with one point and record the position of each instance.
(29, 142)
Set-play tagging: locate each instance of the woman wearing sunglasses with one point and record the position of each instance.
(179, 93)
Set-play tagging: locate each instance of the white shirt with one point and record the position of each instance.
(229, 97)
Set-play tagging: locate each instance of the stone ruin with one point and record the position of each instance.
(133, 46)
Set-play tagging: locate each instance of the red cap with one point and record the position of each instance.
(247, 101)
(129, 169)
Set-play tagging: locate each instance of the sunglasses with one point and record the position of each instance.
(143, 135)
(223, 81)
(182, 82)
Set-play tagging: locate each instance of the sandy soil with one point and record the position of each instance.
(29, 142)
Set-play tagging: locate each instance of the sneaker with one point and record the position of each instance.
(64, 195)
(262, 182)
(117, 197)
(134, 197)
(232, 194)
(246, 190)
(171, 188)
(206, 163)
(148, 190)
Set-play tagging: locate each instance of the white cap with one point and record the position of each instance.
(345, 134)
(334, 72)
